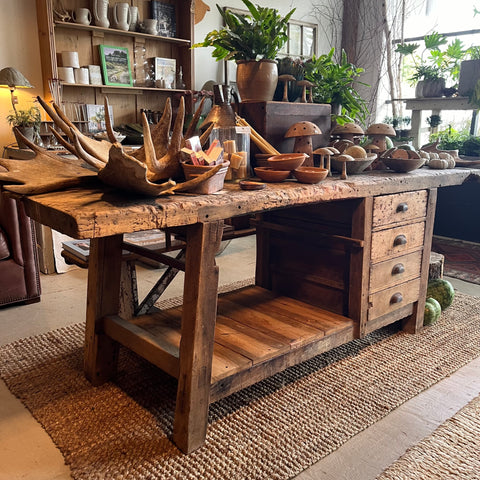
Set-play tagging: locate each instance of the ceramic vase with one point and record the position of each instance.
(121, 16)
(257, 80)
(100, 13)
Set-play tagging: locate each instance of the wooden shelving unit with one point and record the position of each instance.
(58, 36)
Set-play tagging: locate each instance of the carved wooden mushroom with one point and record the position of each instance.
(371, 148)
(378, 133)
(303, 132)
(304, 84)
(286, 78)
(344, 159)
(323, 152)
(347, 131)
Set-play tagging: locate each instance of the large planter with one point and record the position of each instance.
(469, 76)
(433, 88)
(256, 80)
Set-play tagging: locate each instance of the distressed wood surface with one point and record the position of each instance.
(91, 213)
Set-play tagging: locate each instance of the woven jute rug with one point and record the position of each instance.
(450, 452)
(271, 430)
(462, 258)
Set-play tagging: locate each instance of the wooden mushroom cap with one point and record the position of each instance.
(305, 83)
(286, 77)
(350, 128)
(323, 151)
(381, 129)
(303, 129)
(371, 147)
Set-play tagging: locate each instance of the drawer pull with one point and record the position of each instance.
(400, 240)
(396, 298)
(402, 207)
(398, 268)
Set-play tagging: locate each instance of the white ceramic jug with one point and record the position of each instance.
(121, 16)
(82, 15)
(100, 13)
(133, 18)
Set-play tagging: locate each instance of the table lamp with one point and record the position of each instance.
(12, 78)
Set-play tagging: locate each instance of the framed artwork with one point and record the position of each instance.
(165, 15)
(115, 63)
(165, 72)
(95, 116)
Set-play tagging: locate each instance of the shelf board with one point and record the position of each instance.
(93, 28)
(116, 87)
(254, 327)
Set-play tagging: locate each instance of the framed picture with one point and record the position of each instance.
(165, 72)
(95, 116)
(115, 63)
(165, 15)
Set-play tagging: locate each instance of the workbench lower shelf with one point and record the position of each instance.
(257, 334)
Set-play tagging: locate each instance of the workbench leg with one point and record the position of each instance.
(416, 126)
(198, 332)
(103, 292)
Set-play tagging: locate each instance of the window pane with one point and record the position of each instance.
(295, 41)
(308, 41)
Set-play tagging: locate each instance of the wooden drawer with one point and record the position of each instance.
(395, 271)
(393, 298)
(399, 207)
(396, 241)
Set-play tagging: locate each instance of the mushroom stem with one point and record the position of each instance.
(304, 94)
(310, 94)
(344, 171)
(285, 91)
(329, 166)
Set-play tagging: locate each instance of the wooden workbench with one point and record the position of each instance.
(334, 261)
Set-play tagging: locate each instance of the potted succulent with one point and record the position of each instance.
(434, 65)
(253, 41)
(27, 122)
(334, 83)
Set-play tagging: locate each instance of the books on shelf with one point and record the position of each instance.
(165, 15)
(79, 248)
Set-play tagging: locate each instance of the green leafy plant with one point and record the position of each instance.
(434, 62)
(434, 121)
(25, 118)
(261, 34)
(335, 84)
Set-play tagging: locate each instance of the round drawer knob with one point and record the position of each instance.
(398, 268)
(400, 240)
(402, 207)
(396, 298)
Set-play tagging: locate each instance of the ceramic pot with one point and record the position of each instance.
(433, 88)
(27, 132)
(257, 80)
(419, 89)
(82, 15)
(121, 16)
(469, 75)
(133, 18)
(100, 13)
(151, 26)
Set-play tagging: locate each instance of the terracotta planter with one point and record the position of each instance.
(257, 80)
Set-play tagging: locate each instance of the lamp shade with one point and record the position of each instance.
(10, 77)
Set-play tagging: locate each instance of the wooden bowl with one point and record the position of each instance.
(286, 161)
(268, 174)
(403, 165)
(357, 166)
(310, 174)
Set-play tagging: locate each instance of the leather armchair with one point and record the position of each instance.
(19, 274)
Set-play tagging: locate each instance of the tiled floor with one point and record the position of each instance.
(27, 453)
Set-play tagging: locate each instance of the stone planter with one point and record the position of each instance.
(433, 88)
(469, 76)
(27, 132)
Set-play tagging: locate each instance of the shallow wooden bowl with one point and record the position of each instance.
(286, 161)
(268, 174)
(357, 166)
(310, 174)
(403, 165)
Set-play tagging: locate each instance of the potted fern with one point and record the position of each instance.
(27, 122)
(253, 41)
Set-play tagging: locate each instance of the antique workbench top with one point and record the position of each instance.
(93, 213)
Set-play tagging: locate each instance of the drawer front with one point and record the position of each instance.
(393, 298)
(395, 271)
(399, 207)
(397, 241)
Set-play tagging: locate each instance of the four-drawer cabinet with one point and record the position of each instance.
(397, 248)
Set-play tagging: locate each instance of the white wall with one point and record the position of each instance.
(19, 48)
